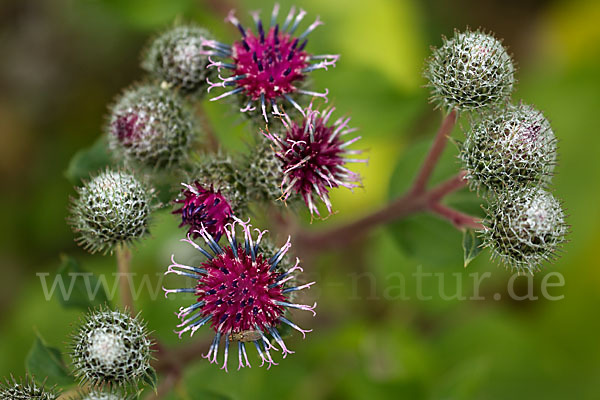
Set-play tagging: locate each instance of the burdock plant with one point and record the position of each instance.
(267, 64)
(176, 57)
(242, 292)
(241, 286)
(150, 126)
(111, 348)
(26, 389)
(509, 148)
(113, 208)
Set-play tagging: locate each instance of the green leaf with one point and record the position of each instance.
(44, 362)
(151, 378)
(82, 289)
(88, 161)
(472, 245)
(425, 237)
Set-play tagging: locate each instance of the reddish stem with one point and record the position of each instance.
(411, 203)
(445, 188)
(417, 199)
(459, 220)
(437, 148)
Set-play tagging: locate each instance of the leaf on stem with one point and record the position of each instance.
(151, 378)
(44, 362)
(87, 161)
(472, 245)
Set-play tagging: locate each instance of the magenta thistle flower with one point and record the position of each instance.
(241, 292)
(313, 154)
(203, 207)
(267, 66)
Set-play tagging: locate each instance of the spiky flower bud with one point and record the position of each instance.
(508, 149)
(215, 191)
(313, 154)
(113, 208)
(111, 347)
(525, 228)
(242, 291)
(26, 389)
(264, 171)
(470, 71)
(150, 126)
(267, 66)
(203, 206)
(178, 57)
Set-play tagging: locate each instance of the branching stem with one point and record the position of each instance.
(417, 199)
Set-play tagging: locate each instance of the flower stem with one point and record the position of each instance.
(123, 265)
(439, 144)
(458, 219)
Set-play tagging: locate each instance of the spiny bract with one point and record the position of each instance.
(113, 208)
(221, 174)
(525, 228)
(111, 347)
(470, 71)
(177, 58)
(510, 148)
(203, 207)
(26, 389)
(150, 126)
(241, 292)
(263, 172)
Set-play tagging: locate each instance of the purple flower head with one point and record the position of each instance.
(241, 292)
(313, 154)
(203, 208)
(267, 65)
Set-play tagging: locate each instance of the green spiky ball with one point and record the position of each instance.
(469, 71)
(509, 149)
(525, 228)
(176, 57)
(111, 347)
(111, 209)
(264, 172)
(150, 126)
(25, 389)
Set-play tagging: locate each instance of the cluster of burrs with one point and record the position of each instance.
(509, 150)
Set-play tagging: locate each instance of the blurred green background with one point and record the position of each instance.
(63, 61)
